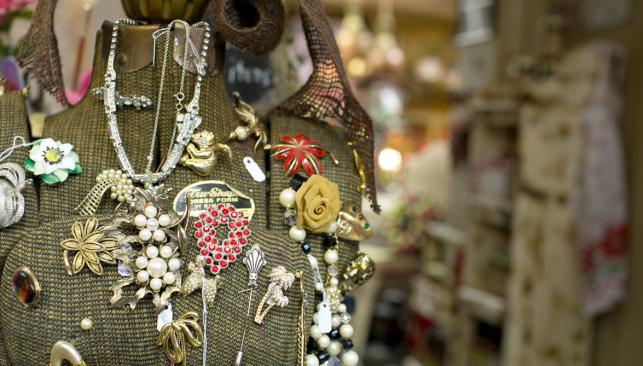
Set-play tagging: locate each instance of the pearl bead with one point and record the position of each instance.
(346, 331)
(169, 278)
(337, 321)
(174, 264)
(142, 277)
(156, 284)
(334, 282)
(287, 198)
(165, 220)
(152, 224)
(145, 234)
(323, 341)
(86, 324)
(312, 360)
(152, 251)
(113, 195)
(316, 318)
(297, 234)
(350, 358)
(159, 235)
(150, 211)
(166, 251)
(331, 256)
(314, 332)
(341, 308)
(319, 286)
(157, 267)
(332, 228)
(141, 262)
(334, 348)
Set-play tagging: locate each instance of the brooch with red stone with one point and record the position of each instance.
(219, 253)
(301, 152)
(216, 251)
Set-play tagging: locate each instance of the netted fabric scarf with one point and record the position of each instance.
(39, 54)
(327, 93)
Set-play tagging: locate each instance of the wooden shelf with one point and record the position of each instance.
(442, 9)
(482, 304)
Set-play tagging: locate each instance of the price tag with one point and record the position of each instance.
(165, 317)
(254, 169)
(325, 317)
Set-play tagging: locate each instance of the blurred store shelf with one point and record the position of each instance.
(443, 9)
(482, 305)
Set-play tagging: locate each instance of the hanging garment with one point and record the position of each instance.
(570, 206)
(599, 198)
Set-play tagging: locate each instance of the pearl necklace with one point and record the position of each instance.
(187, 122)
(330, 335)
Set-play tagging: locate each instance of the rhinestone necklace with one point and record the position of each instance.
(187, 120)
(186, 123)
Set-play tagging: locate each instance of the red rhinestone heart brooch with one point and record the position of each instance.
(218, 253)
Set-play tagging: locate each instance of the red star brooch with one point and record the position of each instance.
(300, 151)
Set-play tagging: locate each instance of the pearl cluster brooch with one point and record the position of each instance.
(122, 189)
(121, 186)
(151, 224)
(151, 257)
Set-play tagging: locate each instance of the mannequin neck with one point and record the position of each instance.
(135, 53)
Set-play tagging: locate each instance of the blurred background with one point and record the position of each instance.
(507, 150)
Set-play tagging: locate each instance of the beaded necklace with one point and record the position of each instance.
(330, 335)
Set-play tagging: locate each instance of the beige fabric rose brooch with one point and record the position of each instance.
(317, 204)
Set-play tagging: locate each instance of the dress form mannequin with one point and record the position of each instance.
(127, 337)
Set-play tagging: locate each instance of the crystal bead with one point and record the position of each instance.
(332, 271)
(306, 248)
(323, 356)
(296, 181)
(334, 334)
(290, 217)
(329, 242)
(312, 345)
(124, 270)
(347, 344)
(334, 361)
(346, 318)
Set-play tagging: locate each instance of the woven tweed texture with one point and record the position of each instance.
(127, 337)
(13, 123)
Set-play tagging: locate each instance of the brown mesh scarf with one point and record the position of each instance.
(251, 25)
(39, 54)
(327, 93)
